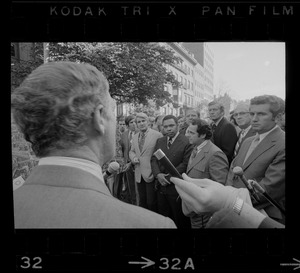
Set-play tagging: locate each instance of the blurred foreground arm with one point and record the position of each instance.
(232, 206)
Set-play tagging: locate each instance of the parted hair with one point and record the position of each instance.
(203, 128)
(55, 101)
(277, 104)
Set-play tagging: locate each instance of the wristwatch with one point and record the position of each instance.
(238, 205)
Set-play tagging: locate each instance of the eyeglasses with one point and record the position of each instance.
(240, 114)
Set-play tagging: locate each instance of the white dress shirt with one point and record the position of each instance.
(79, 163)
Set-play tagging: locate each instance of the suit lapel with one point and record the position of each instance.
(147, 139)
(200, 156)
(268, 142)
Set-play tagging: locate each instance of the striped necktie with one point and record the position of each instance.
(253, 145)
(193, 155)
(142, 141)
(238, 144)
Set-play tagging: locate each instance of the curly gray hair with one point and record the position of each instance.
(55, 101)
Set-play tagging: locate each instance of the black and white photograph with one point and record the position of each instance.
(88, 120)
(150, 136)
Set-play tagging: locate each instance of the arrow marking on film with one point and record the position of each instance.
(146, 263)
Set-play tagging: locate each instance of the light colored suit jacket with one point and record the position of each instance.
(143, 168)
(211, 162)
(67, 197)
(266, 165)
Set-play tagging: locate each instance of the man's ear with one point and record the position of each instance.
(98, 119)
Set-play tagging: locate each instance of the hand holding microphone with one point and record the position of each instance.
(240, 173)
(113, 167)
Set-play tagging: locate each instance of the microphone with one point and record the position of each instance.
(160, 155)
(113, 167)
(240, 173)
(261, 190)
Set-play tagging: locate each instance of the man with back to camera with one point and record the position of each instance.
(262, 157)
(140, 154)
(243, 119)
(65, 111)
(224, 133)
(177, 148)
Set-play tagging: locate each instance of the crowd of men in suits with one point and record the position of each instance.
(64, 109)
(251, 138)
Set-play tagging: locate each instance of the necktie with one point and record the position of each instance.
(193, 155)
(213, 127)
(253, 145)
(169, 143)
(238, 144)
(142, 141)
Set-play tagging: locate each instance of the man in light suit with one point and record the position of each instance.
(206, 161)
(243, 119)
(178, 149)
(65, 111)
(262, 157)
(224, 132)
(140, 154)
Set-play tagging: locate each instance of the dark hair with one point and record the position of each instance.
(202, 128)
(170, 117)
(277, 104)
(128, 119)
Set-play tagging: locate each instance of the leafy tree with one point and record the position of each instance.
(136, 71)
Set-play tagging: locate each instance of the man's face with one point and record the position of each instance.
(181, 122)
(190, 116)
(142, 124)
(122, 126)
(193, 136)
(262, 118)
(170, 127)
(215, 112)
(132, 125)
(242, 117)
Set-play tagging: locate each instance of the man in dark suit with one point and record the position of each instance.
(69, 118)
(178, 149)
(262, 157)
(243, 119)
(224, 133)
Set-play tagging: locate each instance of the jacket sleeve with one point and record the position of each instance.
(181, 168)
(154, 161)
(218, 167)
(274, 180)
(229, 139)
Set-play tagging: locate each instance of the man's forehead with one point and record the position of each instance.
(241, 108)
(260, 107)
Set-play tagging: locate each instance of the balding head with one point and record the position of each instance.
(242, 116)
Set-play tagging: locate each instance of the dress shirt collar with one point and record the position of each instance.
(173, 138)
(262, 136)
(201, 145)
(246, 130)
(218, 121)
(79, 163)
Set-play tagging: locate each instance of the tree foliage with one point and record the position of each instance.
(136, 71)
